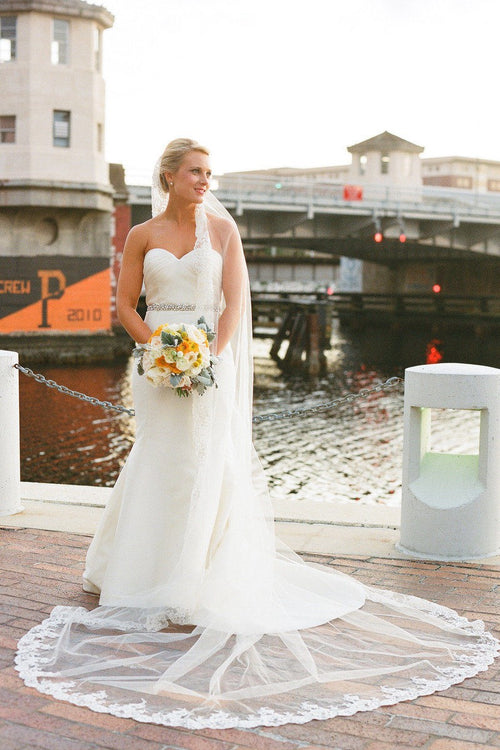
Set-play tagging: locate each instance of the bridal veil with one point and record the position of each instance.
(250, 634)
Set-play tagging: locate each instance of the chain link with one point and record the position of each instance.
(271, 417)
(326, 405)
(68, 392)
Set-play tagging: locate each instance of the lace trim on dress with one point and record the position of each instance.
(33, 647)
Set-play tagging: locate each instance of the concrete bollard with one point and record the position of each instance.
(450, 506)
(10, 480)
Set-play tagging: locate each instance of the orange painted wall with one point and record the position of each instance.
(81, 306)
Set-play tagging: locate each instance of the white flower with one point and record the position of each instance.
(148, 360)
(182, 363)
(191, 357)
(155, 375)
(205, 356)
(199, 336)
(169, 355)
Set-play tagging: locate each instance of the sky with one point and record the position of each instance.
(272, 83)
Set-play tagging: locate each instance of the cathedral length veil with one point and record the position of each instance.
(249, 634)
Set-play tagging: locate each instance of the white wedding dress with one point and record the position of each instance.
(205, 619)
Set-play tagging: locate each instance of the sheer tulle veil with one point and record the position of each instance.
(242, 632)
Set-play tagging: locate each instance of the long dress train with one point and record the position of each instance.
(205, 619)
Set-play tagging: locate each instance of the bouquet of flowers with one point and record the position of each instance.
(178, 357)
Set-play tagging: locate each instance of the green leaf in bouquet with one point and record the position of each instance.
(204, 377)
(140, 368)
(168, 339)
(203, 325)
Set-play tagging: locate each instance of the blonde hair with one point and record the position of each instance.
(173, 155)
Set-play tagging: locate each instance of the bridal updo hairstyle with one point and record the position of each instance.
(174, 154)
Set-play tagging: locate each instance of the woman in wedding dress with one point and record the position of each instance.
(205, 619)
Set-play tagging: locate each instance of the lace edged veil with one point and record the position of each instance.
(275, 640)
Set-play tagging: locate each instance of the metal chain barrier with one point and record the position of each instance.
(326, 405)
(271, 417)
(68, 392)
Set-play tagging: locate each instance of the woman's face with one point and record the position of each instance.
(192, 179)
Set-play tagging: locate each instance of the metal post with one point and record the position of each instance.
(10, 479)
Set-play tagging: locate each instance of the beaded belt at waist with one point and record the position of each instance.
(179, 306)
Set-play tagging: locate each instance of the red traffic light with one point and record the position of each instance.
(436, 288)
(402, 237)
(378, 236)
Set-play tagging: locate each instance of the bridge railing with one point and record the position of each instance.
(347, 304)
(242, 189)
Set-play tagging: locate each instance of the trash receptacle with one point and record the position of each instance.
(450, 504)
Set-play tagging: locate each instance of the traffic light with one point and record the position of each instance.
(436, 288)
(402, 237)
(378, 236)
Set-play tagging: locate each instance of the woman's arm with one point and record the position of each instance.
(234, 281)
(130, 285)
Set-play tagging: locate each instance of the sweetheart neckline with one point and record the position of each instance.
(170, 253)
(164, 249)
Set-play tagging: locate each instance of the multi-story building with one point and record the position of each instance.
(56, 201)
(394, 161)
(481, 175)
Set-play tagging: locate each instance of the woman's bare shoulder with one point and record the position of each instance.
(139, 234)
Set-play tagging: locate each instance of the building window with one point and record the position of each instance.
(7, 128)
(59, 53)
(8, 34)
(99, 136)
(494, 185)
(362, 164)
(97, 48)
(61, 128)
(384, 164)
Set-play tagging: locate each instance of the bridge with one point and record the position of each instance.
(427, 234)
(437, 223)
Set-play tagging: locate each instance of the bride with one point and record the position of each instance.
(205, 619)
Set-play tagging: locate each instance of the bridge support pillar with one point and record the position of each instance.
(10, 479)
(450, 502)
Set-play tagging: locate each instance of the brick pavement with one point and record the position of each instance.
(40, 569)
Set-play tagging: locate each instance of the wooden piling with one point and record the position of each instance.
(315, 358)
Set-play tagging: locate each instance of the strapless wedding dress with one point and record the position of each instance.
(205, 619)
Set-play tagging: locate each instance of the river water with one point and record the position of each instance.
(349, 454)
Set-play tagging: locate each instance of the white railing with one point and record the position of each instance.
(328, 194)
